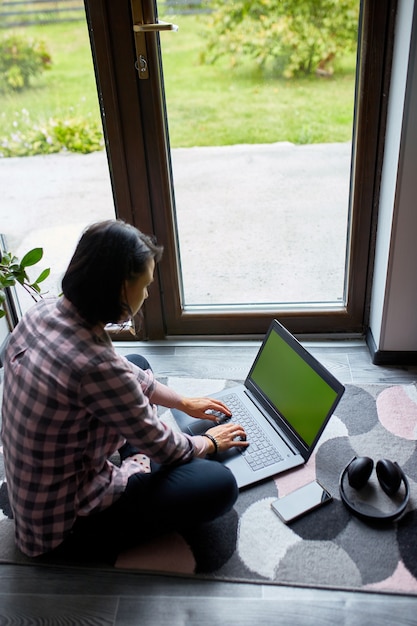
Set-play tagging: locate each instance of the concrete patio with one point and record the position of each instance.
(257, 223)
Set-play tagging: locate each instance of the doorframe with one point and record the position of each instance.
(137, 143)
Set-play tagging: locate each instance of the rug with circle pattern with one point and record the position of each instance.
(329, 547)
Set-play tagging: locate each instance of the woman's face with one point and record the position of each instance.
(135, 290)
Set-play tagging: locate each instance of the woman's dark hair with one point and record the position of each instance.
(107, 254)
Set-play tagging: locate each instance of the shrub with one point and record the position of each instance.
(74, 134)
(20, 60)
(293, 36)
(78, 135)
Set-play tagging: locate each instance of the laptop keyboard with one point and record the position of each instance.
(260, 453)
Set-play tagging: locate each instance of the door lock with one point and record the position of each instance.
(140, 29)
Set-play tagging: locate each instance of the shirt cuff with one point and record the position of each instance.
(201, 446)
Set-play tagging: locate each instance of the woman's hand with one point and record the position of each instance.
(198, 407)
(227, 436)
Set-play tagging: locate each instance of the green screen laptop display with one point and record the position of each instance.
(293, 387)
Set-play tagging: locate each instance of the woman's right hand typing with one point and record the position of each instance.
(227, 436)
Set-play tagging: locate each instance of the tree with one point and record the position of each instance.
(293, 36)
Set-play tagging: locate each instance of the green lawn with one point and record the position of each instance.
(68, 86)
(218, 105)
(207, 104)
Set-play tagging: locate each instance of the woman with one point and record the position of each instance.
(70, 402)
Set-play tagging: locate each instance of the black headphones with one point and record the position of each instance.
(390, 476)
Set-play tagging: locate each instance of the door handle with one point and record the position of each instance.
(151, 28)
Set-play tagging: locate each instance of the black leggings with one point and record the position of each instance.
(178, 497)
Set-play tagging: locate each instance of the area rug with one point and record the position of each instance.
(328, 548)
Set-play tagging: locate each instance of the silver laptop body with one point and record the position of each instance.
(289, 397)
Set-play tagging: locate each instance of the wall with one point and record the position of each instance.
(393, 319)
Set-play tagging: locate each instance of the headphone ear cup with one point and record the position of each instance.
(359, 471)
(389, 476)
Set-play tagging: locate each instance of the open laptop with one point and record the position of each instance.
(289, 397)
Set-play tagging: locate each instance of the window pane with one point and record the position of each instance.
(53, 167)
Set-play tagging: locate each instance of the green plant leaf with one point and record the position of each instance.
(13, 271)
(20, 275)
(43, 275)
(32, 257)
(7, 281)
(5, 258)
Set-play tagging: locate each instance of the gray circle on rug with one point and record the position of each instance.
(374, 550)
(255, 493)
(407, 541)
(313, 563)
(323, 524)
(379, 443)
(410, 467)
(332, 456)
(357, 409)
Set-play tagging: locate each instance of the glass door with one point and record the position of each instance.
(258, 175)
(261, 142)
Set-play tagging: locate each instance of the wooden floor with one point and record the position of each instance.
(41, 595)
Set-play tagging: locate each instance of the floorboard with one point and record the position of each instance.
(39, 595)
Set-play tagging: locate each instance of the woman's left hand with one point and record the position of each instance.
(198, 407)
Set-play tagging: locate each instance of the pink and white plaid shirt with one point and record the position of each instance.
(69, 402)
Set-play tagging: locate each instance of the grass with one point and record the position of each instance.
(207, 104)
(69, 85)
(245, 105)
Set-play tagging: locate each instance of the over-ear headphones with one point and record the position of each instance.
(390, 477)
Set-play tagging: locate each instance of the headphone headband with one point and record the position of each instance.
(377, 517)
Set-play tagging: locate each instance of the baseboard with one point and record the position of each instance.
(389, 357)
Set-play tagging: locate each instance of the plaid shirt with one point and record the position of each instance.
(69, 402)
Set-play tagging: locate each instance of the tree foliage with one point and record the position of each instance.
(294, 37)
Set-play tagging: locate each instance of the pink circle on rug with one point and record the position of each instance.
(397, 412)
(401, 581)
(296, 478)
(164, 554)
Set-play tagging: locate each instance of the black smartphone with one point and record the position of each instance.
(301, 501)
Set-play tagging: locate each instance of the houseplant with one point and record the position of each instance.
(13, 271)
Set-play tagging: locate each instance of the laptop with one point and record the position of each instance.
(287, 399)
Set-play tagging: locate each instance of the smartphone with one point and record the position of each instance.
(301, 501)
